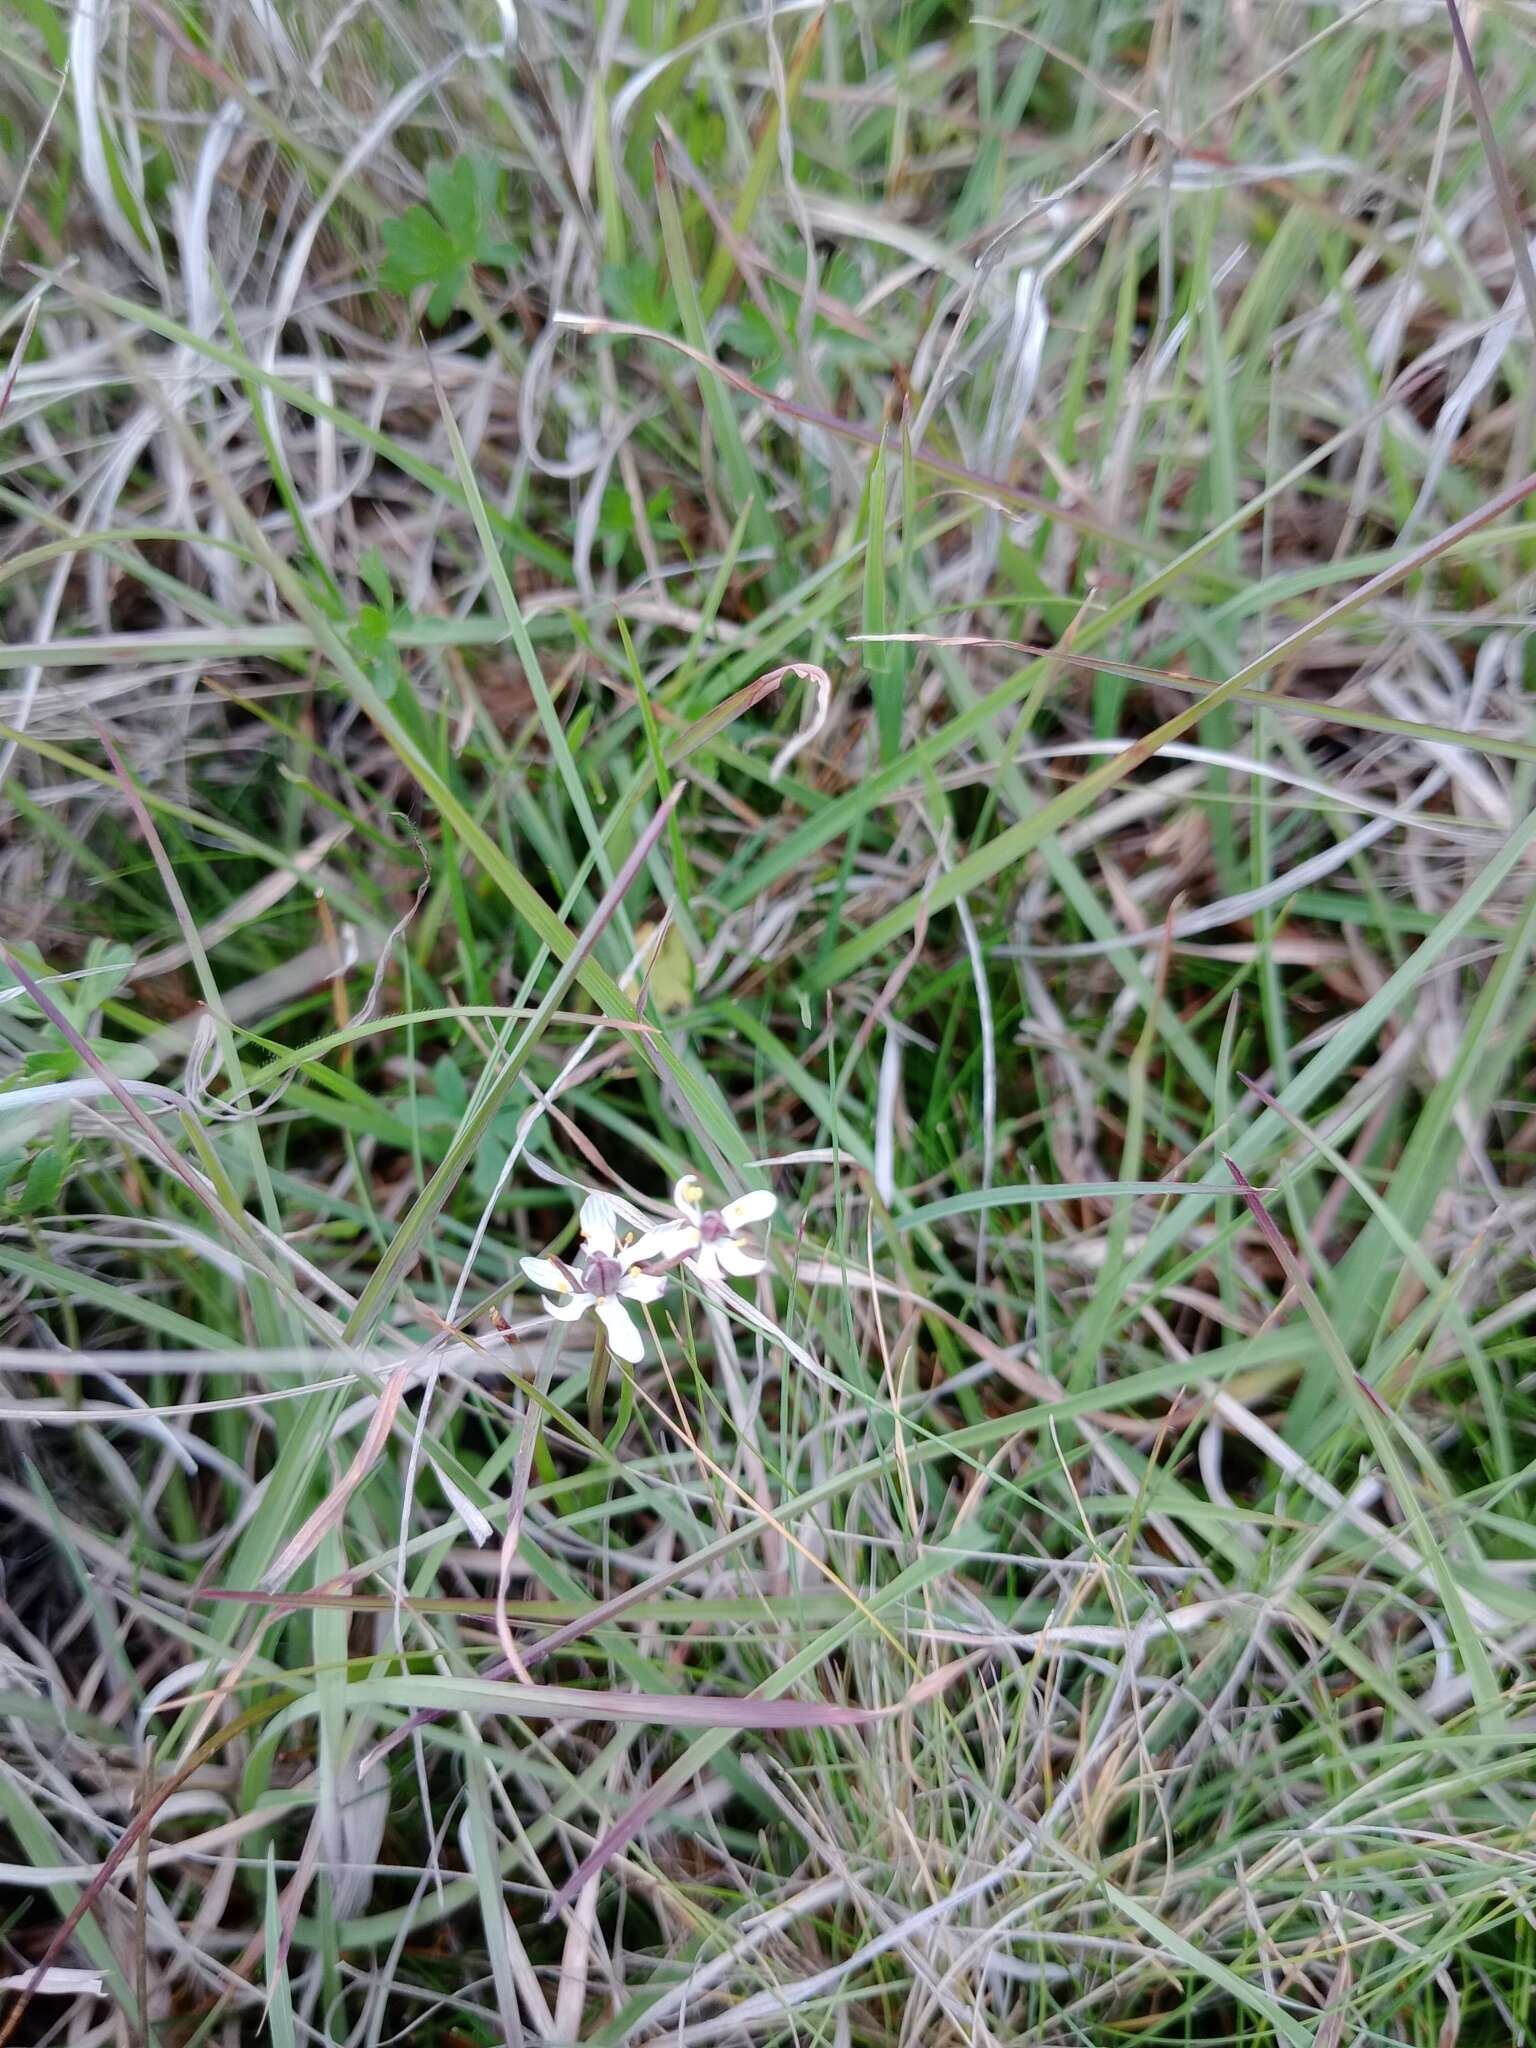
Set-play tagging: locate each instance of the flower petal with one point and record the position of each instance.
(623, 1334)
(755, 1207)
(569, 1308)
(668, 1242)
(599, 1225)
(706, 1263)
(642, 1286)
(689, 1196)
(736, 1258)
(547, 1276)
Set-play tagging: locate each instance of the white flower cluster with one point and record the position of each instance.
(607, 1274)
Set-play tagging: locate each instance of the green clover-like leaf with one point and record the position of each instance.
(436, 245)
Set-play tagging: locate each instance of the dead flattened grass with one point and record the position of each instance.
(483, 487)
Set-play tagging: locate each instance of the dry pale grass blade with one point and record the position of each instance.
(58, 1982)
(1509, 205)
(328, 1515)
(18, 353)
(574, 1703)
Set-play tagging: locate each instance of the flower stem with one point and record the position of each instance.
(597, 1379)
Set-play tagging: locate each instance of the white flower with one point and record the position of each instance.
(602, 1280)
(710, 1239)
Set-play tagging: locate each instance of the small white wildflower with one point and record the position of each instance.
(710, 1239)
(603, 1279)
